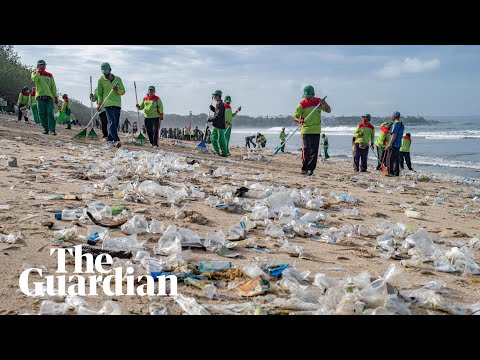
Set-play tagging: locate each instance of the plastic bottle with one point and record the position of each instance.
(68, 215)
(212, 266)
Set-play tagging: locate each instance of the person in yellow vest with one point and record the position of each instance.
(153, 114)
(311, 127)
(282, 138)
(229, 115)
(113, 104)
(34, 106)
(46, 95)
(66, 111)
(4, 105)
(23, 101)
(364, 135)
(405, 151)
(381, 142)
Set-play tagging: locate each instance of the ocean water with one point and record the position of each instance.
(450, 147)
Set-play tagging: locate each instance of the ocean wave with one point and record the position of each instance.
(445, 135)
(420, 160)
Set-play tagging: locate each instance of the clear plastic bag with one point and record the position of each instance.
(215, 240)
(156, 227)
(136, 225)
(190, 305)
(274, 231)
(169, 243)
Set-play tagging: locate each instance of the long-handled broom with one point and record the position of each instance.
(83, 133)
(141, 139)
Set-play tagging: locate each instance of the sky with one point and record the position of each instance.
(268, 80)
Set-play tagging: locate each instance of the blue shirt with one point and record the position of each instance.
(397, 128)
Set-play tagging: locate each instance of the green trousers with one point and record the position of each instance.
(45, 109)
(218, 137)
(36, 116)
(325, 150)
(228, 132)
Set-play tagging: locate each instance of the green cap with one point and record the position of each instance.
(65, 96)
(217, 92)
(308, 91)
(228, 98)
(41, 62)
(151, 88)
(105, 67)
(367, 116)
(26, 88)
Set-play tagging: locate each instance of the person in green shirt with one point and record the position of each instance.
(23, 101)
(33, 103)
(311, 127)
(282, 138)
(102, 115)
(46, 95)
(153, 114)
(66, 111)
(108, 83)
(381, 142)
(4, 105)
(325, 146)
(364, 134)
(405, 151)
(228, 119)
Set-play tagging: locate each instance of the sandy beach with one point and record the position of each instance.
(50, 165)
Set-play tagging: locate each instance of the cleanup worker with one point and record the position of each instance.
(394, 145)
(34, 106)
(153, 114)
(405, 151)
(127, 124)
(113, 104)
(364, 134)
(282, 138)
(134, 128)
(311, 128)
(248, 140)
(102, 115)
(218, 119)
(261, 139)
(229, 119)
(381, 142)
(46, 95)
(23, 100)
(4, 105)
(66, 111)
(325, 146)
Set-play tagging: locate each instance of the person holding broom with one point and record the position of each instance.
(364, 135)
(311, 127)
(153, 114)
(218, 119)
(229, 115)
(46, 95)
(113, 105)
(102, 115)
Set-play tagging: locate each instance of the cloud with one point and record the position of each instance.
(395, 69)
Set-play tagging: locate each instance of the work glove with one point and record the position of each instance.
(212, 108)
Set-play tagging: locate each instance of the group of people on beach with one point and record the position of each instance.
(392, 147)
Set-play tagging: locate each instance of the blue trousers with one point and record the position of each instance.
(113, 118)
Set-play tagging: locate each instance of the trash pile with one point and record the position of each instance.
(270, 219)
